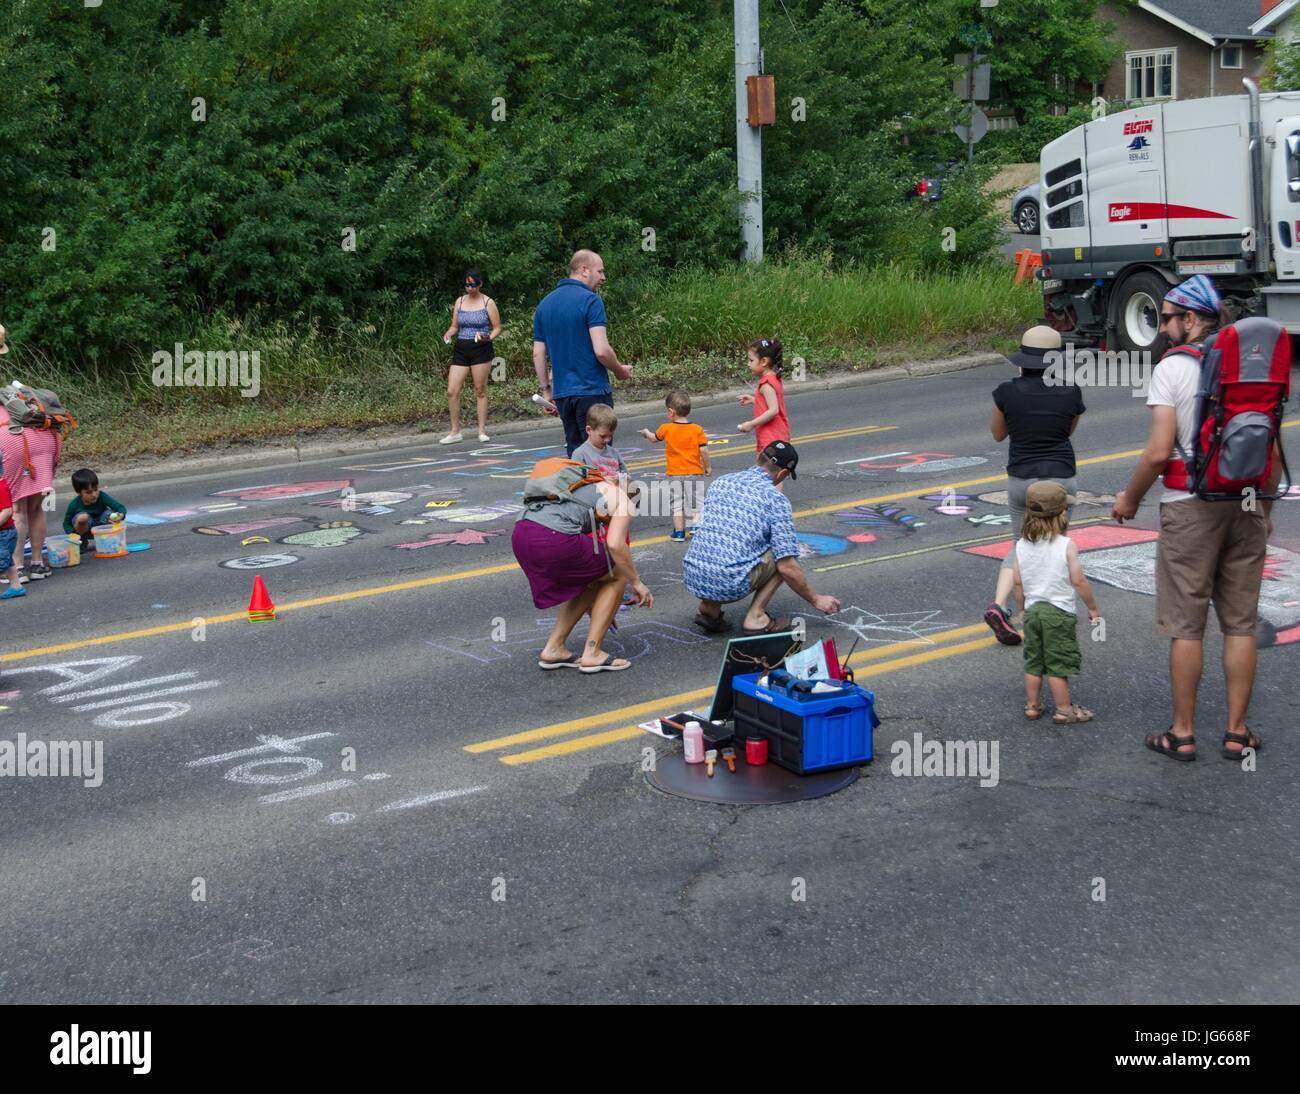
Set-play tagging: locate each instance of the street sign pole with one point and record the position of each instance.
(970, 131)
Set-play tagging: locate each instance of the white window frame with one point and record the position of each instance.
(1241, 55)
(1173, 73)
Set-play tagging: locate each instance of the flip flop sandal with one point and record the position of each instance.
(774, 626)
(570, 662)
(1246, 740)
(610, 664)
(1156, 742)
(1072, 715)
(714, 624)
(1033, 711)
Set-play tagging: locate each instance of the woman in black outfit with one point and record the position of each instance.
(1039, 417)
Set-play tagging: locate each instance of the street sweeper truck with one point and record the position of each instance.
(1135, 202)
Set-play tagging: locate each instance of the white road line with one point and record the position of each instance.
(863, 459)
(429, 799)
(305, 791)
(125, 699)
(123, 687)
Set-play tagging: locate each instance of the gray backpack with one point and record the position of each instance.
(35, 408)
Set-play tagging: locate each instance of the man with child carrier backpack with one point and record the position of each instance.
(1216, 399)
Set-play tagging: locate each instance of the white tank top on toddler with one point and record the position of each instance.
(1045, 572)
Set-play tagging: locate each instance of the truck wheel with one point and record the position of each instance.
(1137, 316)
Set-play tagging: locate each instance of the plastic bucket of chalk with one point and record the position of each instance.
(110, 540)
(61, 551)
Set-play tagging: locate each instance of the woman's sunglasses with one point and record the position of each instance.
(1165, 316)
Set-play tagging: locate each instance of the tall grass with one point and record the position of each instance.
(687, 329)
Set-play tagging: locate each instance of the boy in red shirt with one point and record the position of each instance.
(687, 454)
(8, 544)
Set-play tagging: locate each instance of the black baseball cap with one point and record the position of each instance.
(782, 454)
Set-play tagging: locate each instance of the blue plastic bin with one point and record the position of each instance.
(806, 732)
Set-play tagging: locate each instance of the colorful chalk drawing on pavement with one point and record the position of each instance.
(951, 504)
(166, 516)
(1081, 498)
(467, 537)
(246, 526)
(280, 490)
(466, 514)
(991, 519)
(815, 545)
(334, 533)
(632, 640)
(360, 503)
(260, 562)
(1125, 558)
(898, 463)
(872, 626)
(883, 522)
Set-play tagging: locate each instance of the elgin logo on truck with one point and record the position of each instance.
(1131, 128)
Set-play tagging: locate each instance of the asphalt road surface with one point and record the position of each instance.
(378, 796)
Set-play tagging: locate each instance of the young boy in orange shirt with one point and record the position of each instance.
(686, 449)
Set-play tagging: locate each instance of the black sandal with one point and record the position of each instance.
(1246, 740)
(714, 624)
(1156, 742)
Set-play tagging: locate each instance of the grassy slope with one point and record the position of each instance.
(690, 332)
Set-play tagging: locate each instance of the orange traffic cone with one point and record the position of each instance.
(260, 607)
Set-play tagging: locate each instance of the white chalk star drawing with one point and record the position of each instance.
(889, 627)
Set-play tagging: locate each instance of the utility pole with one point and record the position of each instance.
(749, 139)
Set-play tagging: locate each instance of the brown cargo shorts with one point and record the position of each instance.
(761, 574)
(1209, 550)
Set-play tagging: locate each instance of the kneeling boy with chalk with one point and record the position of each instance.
(90, 507)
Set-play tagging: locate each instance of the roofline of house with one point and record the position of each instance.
(1275, 16)
(1196, 32)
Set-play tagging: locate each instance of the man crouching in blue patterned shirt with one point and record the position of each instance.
(745, 544)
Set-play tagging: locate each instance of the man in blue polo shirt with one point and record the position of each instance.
(569, 325)
(745, 545)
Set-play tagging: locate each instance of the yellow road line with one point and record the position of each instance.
(627, 733)
(505, 567)
(658, 706)
(744, 449)
(229, 617)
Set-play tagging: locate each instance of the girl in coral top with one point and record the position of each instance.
(769, 422)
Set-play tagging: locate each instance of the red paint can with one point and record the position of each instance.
(756, 750)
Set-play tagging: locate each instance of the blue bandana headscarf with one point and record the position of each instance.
(1196, 294)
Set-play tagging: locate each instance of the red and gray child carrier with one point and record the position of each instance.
(1244, 385)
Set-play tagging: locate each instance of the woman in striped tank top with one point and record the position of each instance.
(475, 322)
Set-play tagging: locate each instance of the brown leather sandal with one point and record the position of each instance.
(1246, 740)
(1159, 742)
